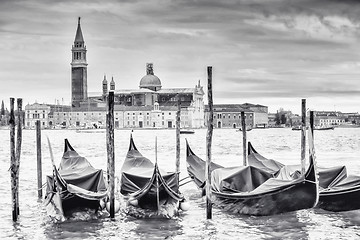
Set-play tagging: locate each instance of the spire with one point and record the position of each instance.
(105, 85)
(112, 84)
(79, 37)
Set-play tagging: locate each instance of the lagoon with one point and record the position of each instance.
(335, 147)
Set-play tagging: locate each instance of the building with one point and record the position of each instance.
(328, 118)
(36, 111)
(229, 115)
(150, 106)
(152, 97)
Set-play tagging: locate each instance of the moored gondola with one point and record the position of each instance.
(253, 191)
(75, 185)
(146, 186)
(338, 191)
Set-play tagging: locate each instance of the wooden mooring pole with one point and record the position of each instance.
(13, 169)
(243, 127)
(311, 137)
(18, 148)
(111, 152)
(312, 123)
(303, 134)
(178, 112)
(107, 148)
(38, 155)
(208, 146)
(15, 152)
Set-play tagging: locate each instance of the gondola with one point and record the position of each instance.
(75, 185)
(145, 185)
(252, 191)
(324, 128)
(338, 191)
(187, 131)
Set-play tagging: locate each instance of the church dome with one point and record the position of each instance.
(150, 80)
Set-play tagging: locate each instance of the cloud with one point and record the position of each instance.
(272, 48)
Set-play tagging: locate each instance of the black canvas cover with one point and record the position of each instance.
(331, 179)
(139, 178)
(78, 176)
(256, 191)
(196, 167)
(238, 179)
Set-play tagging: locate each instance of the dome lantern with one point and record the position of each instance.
(150, 81)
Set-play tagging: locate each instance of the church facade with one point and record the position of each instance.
(149, 106)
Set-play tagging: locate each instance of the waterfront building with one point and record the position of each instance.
(150, 106)
(328, 118)
(151, 98)
(34, 112)
(229, 115)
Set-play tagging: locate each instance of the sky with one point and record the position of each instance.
(269, 52)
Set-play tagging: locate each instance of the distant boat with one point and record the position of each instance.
(187, 131)
(94, 130)
(247, 129)
(323, 128)
(296, 128)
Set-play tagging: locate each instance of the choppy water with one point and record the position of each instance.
(340, 146)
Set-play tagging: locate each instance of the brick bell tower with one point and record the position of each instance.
(78, 69)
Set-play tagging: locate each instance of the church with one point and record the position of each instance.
(149, 106)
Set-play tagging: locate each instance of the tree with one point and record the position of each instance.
(2, 112)
(283, 119)
(277, 118)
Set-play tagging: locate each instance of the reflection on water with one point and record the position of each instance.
(341, 146)
(74, 229)
(157, 228)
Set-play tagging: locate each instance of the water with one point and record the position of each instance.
(340, 146)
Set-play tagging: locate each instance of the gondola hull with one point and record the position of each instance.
(346, 200)
(253, 191)
(338, 191)
(296, 197)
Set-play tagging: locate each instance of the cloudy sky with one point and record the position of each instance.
(269, 52)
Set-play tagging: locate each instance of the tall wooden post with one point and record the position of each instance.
(303, 134)
(18, 148)
(312, 123)
(178, 112)
(13, 172)
(208, 146)
(311, 138)
(243, 127)
(38, 155)
(157, 179)
(107, 147)
(111, 152)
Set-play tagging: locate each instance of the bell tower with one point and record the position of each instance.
(78, 69)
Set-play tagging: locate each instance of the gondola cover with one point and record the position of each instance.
(254, 190)
(338, 190)
(146, 182)
(76, 183)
